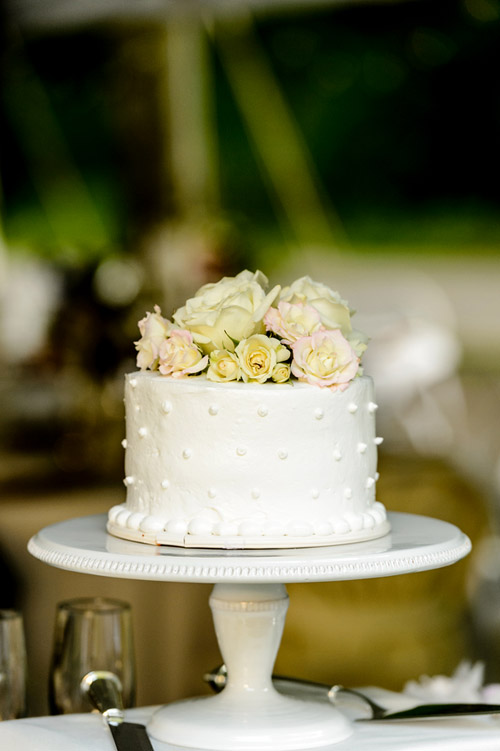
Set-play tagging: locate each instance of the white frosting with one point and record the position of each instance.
(248, 465)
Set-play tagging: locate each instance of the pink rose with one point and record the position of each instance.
(154, 329)
(179, 356)
(324, 359)
(292, 321)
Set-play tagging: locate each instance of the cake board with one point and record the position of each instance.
(249, 603)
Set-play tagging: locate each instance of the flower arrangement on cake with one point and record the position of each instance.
(235, 330)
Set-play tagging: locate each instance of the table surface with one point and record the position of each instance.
(85, 732)
(415, 543)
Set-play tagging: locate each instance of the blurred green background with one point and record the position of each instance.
(396, 102)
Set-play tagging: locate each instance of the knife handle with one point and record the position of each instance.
(104, 691)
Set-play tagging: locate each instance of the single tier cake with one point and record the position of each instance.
(254, 432)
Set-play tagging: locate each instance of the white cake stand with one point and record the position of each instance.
(249, 603)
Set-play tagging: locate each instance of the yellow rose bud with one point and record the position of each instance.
(258, 356)
(281, 373)
(223, 366)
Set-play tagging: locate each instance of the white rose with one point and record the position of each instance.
(333, 310)
(231, 309)
(258, 356)
(292, 321)
(223, 366)
(154, 330)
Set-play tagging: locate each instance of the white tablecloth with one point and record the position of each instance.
(86, 732)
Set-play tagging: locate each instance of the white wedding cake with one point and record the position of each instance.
(250, 424)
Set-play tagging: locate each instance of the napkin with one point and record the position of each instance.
(65, 733)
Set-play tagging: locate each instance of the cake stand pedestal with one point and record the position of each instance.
(249, 603)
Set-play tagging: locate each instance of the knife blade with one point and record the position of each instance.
(103, 690)
(130, 736)
(442, 711)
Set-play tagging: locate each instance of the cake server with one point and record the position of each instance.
(103, 690)
(217, 680)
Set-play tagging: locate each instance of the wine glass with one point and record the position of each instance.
(12, 666)
(90, 634)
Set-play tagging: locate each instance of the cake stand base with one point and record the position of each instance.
(271, 723)
(249, 713)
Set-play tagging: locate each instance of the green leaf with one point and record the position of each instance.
(234, 341)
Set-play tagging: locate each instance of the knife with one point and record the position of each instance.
(439, 711)
(104, 691)
(421, 711)
(217, 680)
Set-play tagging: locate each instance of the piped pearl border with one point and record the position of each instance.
(252, 540)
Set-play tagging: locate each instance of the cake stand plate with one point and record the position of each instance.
(415, 543)
(249, 603)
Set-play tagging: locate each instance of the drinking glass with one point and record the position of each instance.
(12, 666)
(90, 634)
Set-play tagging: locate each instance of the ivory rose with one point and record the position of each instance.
(228, 311)
(324, 359)
(223, 366)
(258, 356)
(154, 330)
(179, 356)
(292, 321)
(333, 310)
